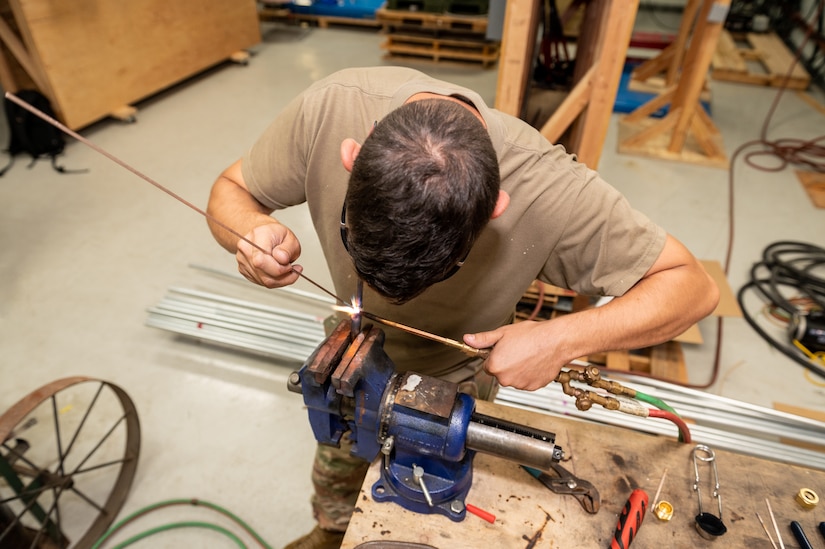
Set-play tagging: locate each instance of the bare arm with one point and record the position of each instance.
(231, 203)
(674, 294)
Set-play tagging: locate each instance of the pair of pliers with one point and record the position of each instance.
(563, 482)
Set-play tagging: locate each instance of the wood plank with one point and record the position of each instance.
(591, 128)
(802, 412)
(814, 185)
(21, 55)
(517, 46)
(650, 129)
(647, 77)
(615, 461)
(571, 107)
(727, 56)
(691, 153)
(667, 361)
(392, 19)
(776, 58)
(651, 106)
(618, 360)
(768, 52)
(321, 21)
(694, 72)
(811, 101)
(438, 49)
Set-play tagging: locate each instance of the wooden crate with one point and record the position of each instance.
(94, 59)
(762, 59)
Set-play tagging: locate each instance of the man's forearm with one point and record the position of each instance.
(235, 208)
(657, 309)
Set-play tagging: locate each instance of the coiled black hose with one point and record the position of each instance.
(788, 267)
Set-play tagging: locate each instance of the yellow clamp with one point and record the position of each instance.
(807, 498)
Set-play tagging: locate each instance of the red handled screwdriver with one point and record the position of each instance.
(630, 520)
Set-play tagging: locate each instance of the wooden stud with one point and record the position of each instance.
(571, 107)
(590, 129)
(516, 62)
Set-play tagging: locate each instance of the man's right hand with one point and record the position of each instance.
(275, 268)
(269, 262)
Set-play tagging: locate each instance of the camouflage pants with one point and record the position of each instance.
(337, 476)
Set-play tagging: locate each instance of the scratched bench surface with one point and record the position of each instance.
(615, 461)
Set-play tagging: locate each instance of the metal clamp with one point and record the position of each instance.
(563, 482)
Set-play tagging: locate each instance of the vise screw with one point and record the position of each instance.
(427, 432)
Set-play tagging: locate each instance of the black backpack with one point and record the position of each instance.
(30, 134)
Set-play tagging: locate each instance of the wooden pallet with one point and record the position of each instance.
(321, 21)
(666, 361)
(442, 49)
(763, 60)
(400, 20)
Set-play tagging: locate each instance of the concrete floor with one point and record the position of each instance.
(85, 255)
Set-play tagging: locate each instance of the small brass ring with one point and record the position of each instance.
(807, 498)
(663, 510)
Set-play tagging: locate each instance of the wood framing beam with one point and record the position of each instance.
(572, 106)
(516, 58)
(18, 50)
(614, 38)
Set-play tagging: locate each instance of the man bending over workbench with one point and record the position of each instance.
(448, 210)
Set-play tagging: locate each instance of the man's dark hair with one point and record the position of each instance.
(422, 188)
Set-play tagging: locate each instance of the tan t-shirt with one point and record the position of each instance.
(564, 224)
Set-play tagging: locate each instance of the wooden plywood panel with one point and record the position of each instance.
(99, 55)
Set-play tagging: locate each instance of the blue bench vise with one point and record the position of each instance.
(425, 430)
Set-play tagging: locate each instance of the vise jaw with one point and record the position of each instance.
(427, 432)
(343, 383)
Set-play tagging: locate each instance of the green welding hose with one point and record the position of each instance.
(194, 502)
(659, 403)
(173, 525)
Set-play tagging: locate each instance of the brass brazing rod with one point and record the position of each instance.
(463, 347)
(40, 114)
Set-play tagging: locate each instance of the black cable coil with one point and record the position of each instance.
(789, 267)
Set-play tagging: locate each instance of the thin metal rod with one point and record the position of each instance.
(659, 490)
(765, 528)
(775, 527)
(463, 347)
(65, 129)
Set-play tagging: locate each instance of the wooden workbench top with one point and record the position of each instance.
(615, 461)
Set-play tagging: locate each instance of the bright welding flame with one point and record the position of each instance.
(352, 309)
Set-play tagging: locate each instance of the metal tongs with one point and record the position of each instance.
(708, 525)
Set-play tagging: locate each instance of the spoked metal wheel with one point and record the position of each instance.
(68, 456)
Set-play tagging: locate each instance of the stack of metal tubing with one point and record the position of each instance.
(716, 421)
(227, 321)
